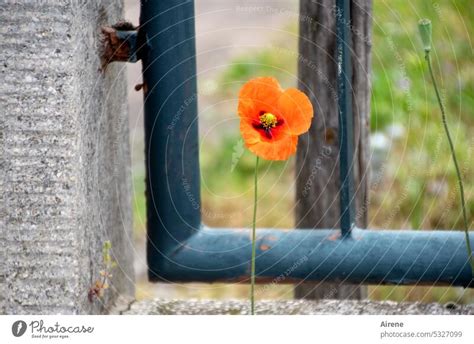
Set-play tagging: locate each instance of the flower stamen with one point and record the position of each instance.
(268, 120)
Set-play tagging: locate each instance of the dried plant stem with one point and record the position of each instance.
(456, 165)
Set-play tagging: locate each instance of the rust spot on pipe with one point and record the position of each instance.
(335, 236)
(114, 46)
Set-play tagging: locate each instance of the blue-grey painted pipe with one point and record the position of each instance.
(346, 126)
(171, 126)
(373, 257)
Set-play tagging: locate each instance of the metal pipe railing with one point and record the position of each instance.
(180, 249)
(285, 256)
(171, 126)
(346, 127)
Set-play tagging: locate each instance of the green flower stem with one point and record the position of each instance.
(252, 272)
(456, 165)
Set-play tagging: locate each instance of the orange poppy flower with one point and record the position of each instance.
(271, 119)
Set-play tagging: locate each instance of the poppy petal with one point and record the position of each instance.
(250, 135)
(257, 95)
(280, 147)
(276, 150)
(296, 110)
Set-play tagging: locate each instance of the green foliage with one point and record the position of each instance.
(97, 290)
(401, 88)
(277, 59)
(270, 61)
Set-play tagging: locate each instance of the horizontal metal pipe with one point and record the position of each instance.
(284, 256)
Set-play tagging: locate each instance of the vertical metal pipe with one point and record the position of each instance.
(171, 127)
(346, 127)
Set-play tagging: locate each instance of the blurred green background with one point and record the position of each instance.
(413, 180)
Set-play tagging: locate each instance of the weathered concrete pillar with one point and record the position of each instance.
(64, 158)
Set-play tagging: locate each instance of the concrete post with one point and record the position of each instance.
(64, 160)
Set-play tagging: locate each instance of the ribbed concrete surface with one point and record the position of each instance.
(64, 168)
(233, 307)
